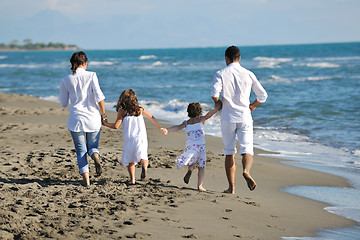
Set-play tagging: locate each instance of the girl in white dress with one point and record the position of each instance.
(130, 115)
(195, 151)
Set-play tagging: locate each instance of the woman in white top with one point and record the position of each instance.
(84, 122)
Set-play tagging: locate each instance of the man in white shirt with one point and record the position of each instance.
(235, 83)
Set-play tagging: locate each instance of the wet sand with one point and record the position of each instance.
(41, 195)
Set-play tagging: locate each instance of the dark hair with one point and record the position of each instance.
(129, 103)
(194, 109)
(77, 59)
(232, 53)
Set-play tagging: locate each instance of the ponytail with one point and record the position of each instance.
(77, 59)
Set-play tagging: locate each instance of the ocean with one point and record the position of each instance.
(312, 114)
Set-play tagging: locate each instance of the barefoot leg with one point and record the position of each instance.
(86, 179)
(201, 175)
(230, 169)
(188, 174)
(247, 161)
(144, 165)
(131, 170)
(96, 157)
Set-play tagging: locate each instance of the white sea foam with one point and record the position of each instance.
(347, 212)
(154, 65)
(266, 62)
(51, 98)
(318, 65)
(157, 63)
(334, 58)
(145, 57)
(3, 57)
(320, 78)
(278, 79)
(356, 153)
(22, 65)
(103, 63)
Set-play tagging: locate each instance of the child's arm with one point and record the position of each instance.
(117, 124)
(175, 128)
(212, 112)
(151, 118)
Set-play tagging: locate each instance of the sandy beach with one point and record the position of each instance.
(41, 195)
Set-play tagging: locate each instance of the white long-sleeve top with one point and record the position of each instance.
(84, 93)
(235, 82)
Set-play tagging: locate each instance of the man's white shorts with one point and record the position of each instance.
(244, 133)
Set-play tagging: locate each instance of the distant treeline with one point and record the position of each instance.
(29, 45)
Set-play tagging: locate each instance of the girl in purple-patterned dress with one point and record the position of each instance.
(195, 151)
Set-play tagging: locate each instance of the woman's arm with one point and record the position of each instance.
(102, 108)
(151, 118)
(120, 116)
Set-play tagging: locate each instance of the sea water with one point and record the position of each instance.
(312, 114)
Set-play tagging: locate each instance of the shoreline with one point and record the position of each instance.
(34, 137)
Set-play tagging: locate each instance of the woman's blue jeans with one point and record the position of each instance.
(85, 143)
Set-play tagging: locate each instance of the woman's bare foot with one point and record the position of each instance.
(250, 181)
(86, 179)
(96, 157)
(187, 177)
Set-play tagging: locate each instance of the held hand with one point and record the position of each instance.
(104, 120)
(218, 105)
(164, 131)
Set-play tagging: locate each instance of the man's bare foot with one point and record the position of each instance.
(187, 177)
(250, 181)
(143, 174)
(229, 191)
(201, 188)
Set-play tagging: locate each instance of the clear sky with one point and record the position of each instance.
(122, 24)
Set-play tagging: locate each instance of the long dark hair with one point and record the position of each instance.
(77, 59)
(129, 103)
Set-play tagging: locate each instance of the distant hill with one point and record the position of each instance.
(28, 45)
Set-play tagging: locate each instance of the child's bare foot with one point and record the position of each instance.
(129, 183)
(201, 188)
(187, 177)
(143, 174)
(250, 181)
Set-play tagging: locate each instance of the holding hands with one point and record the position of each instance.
(164, 131)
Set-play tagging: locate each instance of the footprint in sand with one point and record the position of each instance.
(189, 236)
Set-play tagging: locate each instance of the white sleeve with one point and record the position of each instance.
(217, 85)
(261, 94)
(64, 94)
(96, 88)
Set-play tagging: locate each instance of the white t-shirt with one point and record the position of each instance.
(84, 93)
(235, 84)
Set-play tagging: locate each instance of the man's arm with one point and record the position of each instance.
(255, 104)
